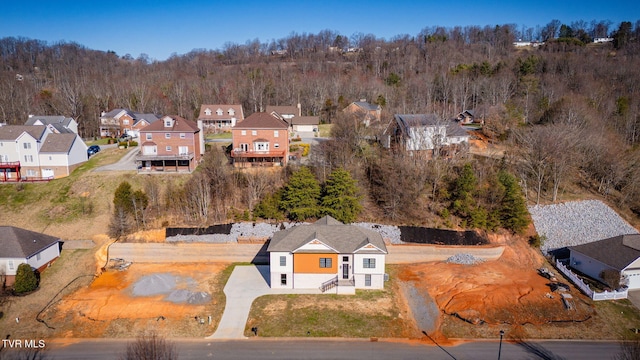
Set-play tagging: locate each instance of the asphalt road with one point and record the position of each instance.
(342, 349)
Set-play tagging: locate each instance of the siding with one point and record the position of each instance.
(310, 264)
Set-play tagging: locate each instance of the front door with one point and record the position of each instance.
(345, 267)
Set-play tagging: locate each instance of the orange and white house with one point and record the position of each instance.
(328, 255)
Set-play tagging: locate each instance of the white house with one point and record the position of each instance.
(328, 255)
(59, 124)
(619, 253)
(420, 132)
(18, 246)
(60, 154)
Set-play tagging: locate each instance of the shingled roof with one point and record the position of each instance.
(58, 143)
(179, 125)
(617, 252)
(261, 120)
(21, 243)
(344, 239)
(12, 132)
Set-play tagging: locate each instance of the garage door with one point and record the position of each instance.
(305, 128)
(47, 173)
(634, 279)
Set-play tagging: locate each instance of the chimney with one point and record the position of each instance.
(299, 110)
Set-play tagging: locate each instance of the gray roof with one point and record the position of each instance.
(306, 120)
(46, 120)
(366, 106)
(345, 239)
(11, 132)
(58, 143)
(618, 251)
(21, 243)
(150, 118)
(62, 129)
(454, 129)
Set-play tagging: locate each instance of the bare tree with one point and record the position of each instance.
(150, 346)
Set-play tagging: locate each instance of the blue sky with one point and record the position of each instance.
(160, 28)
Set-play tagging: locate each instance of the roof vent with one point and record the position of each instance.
(34, 240)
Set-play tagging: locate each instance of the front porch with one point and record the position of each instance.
(165, 163)
(339, 286)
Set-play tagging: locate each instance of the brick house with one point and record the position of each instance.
(170, 144)
(260, 140)
(365, 112)
(119, 122)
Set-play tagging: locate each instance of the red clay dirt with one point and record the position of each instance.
(107, 307)
(508, 291)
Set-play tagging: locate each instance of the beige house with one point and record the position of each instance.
(219, 117)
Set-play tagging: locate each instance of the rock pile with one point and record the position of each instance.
(464, 259)
(576, 223)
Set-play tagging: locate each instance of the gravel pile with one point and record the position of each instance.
(159, 284)
(387, 231)
(242, 229)
(576, 223)
(464, 259)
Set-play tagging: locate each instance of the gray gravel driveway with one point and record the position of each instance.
(127, 162)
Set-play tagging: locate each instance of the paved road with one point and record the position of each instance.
(256, 253)
(257, 348)
(246, 284)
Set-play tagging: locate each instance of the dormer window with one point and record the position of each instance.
(232, 112)
(207, 111)
(168, 122)
(219, 112)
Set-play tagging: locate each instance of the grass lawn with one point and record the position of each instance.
(223, 135)
(369, 313)
(324, 130)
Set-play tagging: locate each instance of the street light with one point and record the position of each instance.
(500, 347)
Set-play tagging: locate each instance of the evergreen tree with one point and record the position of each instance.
(269, 207)
(301, 196)
(122, 198)
(26, 279)
(513, 209)
(463, 191)
(340, 198)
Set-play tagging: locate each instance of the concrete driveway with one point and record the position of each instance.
(245, 284)
(634, 297)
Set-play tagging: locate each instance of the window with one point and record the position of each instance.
(243, 132)
(167, 135)
(183, 135)
(254, 132)
(325, 263)
(167, 123)
(207, 112)
(261, 146)
(26, 145)
(168, 148)
(219, 112)
(369, 263)
(276, 133)
(31, 172)
(183, 150)
(283, 261)
(232, 112)
(11, 265)
(149, 136)
(283, 279)
(28, 158)
(244, 147)
(50, 158)
(367, 280)
(125, 122)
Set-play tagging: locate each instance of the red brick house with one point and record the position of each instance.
(170, 144)
(260, 140)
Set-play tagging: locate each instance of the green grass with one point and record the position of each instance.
(325, 130)
(623, 316)
(223, 135)
(97, 142)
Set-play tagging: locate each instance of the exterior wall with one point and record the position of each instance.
(421, 138)
(587, 265)
(310, 264)
(377, 273)
(377, 281)
(31, 154)
(191, 140)
(308, 128)
(310, 281)
(4, 265)
(47, 255)
(282, 141)
(633, 278)
(9, 151)
(277, 270)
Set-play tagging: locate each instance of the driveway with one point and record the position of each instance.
(245, 284)
(634, 297)
(127, 162)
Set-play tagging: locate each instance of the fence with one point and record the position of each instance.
(607, 295)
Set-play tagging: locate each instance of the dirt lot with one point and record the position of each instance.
(109, 308)
(508, 294)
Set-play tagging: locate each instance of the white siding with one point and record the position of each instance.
(377, 273)
(315, 247)
(422, 138)
(377, 281)
(78, 152)
(4, 265)
(587, 265)
(46, 255)
(276, 270)
(311, 281)
(633, 276)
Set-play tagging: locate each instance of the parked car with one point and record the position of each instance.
(125, 137)
(93, 149)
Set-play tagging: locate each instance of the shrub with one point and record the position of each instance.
(26, 279)
(123, 143)
(150, 346)
(133, 143)
(305, 149)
